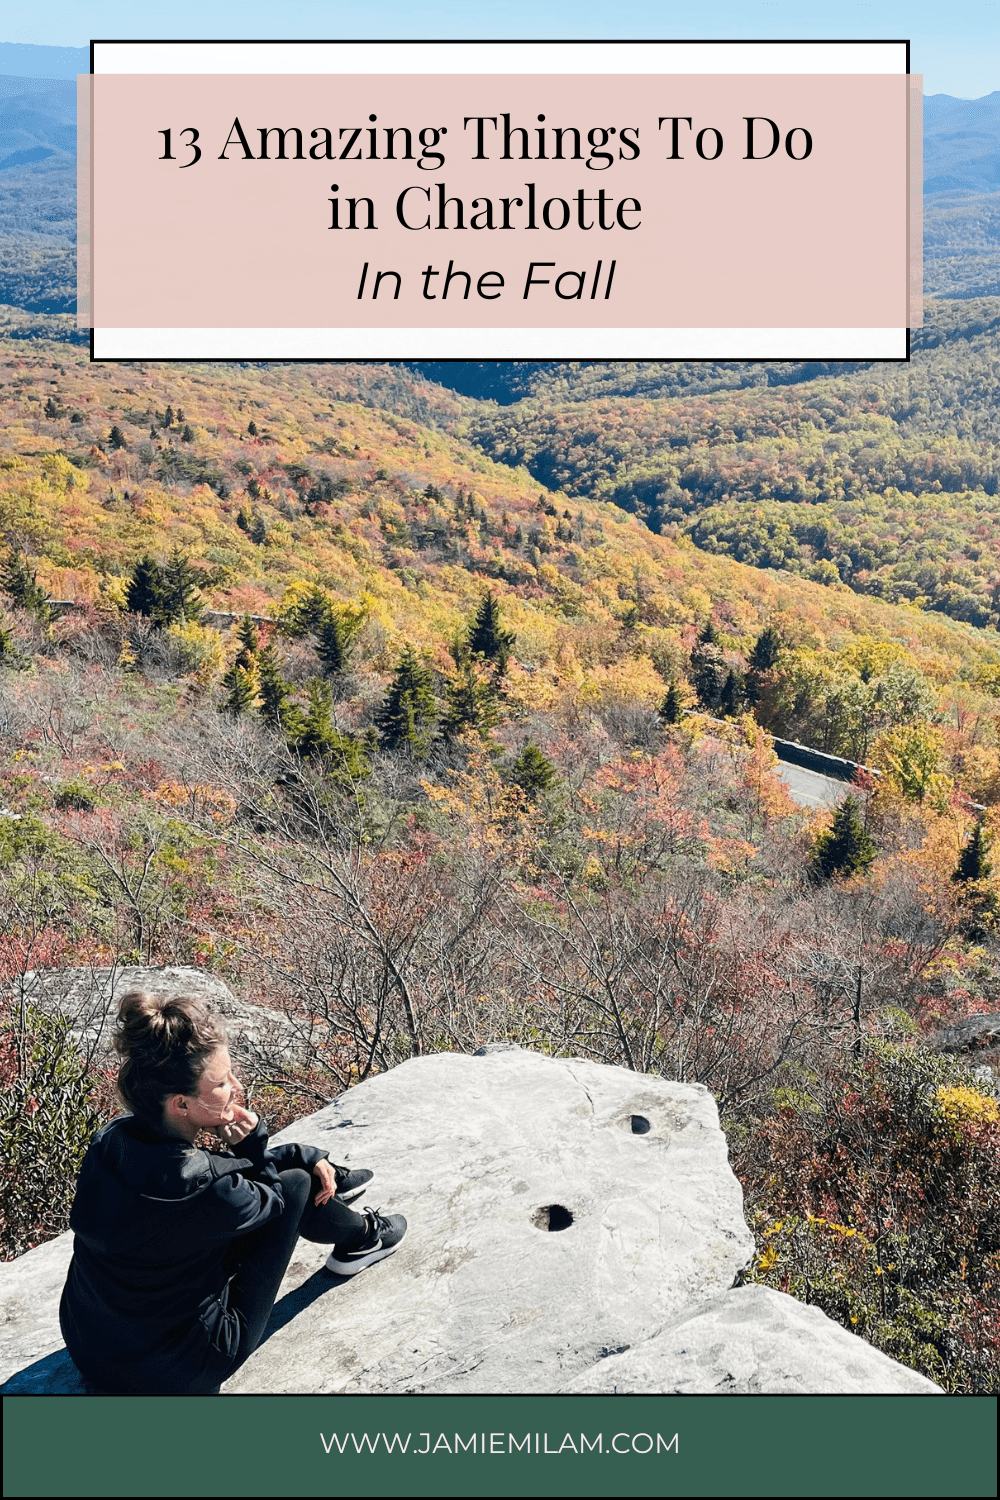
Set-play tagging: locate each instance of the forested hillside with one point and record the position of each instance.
(884, 478)
(962, 244)
(353, 477)
(38, 194)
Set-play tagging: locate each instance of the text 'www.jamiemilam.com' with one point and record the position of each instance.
(500, 1444)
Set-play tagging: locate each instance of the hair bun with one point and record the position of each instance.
(164, 1042)
(140, 1007)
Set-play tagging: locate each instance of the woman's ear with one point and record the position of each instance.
(175, 1110)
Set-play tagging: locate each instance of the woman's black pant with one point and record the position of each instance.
(263, 1257)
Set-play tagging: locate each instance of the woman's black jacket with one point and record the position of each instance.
(158, 1227)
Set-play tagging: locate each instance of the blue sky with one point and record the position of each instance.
(955, 45)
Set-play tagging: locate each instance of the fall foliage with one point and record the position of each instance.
(299, 685)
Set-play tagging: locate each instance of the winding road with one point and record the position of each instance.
(811, 788)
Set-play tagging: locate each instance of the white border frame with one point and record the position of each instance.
(530, 57)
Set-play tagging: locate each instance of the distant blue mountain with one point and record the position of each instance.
(36, 112)
(38, 190)
(962, 144)
(22, 158)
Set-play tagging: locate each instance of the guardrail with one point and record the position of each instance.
(834, 766)
(222, 619)
(795, 754)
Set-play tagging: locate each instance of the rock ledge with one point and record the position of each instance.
(573, 1227)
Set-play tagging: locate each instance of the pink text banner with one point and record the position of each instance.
(599, 205)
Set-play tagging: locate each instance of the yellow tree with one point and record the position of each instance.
(909, 758)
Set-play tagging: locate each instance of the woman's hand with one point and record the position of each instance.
(239, 1123)
(327, 1181)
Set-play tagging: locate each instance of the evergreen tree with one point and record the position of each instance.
(310, 613)
(275, 692)
(708, 673)
(51, 409)
(143, 593)
(766, 650)
(316, 738)
(168, 417)
(20, 581)
(974, 861)
(242, 685)
(763, 657)
(315, 735)
(708, 667)
(731, 699)
(187, 436)
(180, 600)
(252, 429)
(347, 762)
(332, 644)
(672, 708)
(117, 438)
(407, 715)
(487, 637)
(978, 902)
(258, 531)
(470, 699)
(532, 771)
(7, 649)
(164, 594)
(846, 848)
(246, 634)
(242, 677)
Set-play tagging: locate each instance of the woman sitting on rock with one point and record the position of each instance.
(179, 1252)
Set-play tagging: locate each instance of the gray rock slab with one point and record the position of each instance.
(967, 1033)
(90, 998)
(474, 1151)
(479, 1153)
(33, 1358)
(752, 1341)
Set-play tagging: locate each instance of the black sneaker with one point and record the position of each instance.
(384, 1234)
(351, 1184)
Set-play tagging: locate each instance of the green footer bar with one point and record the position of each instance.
(500, 1445)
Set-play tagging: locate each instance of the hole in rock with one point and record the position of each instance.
(639, 1125)
(552, 1217)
